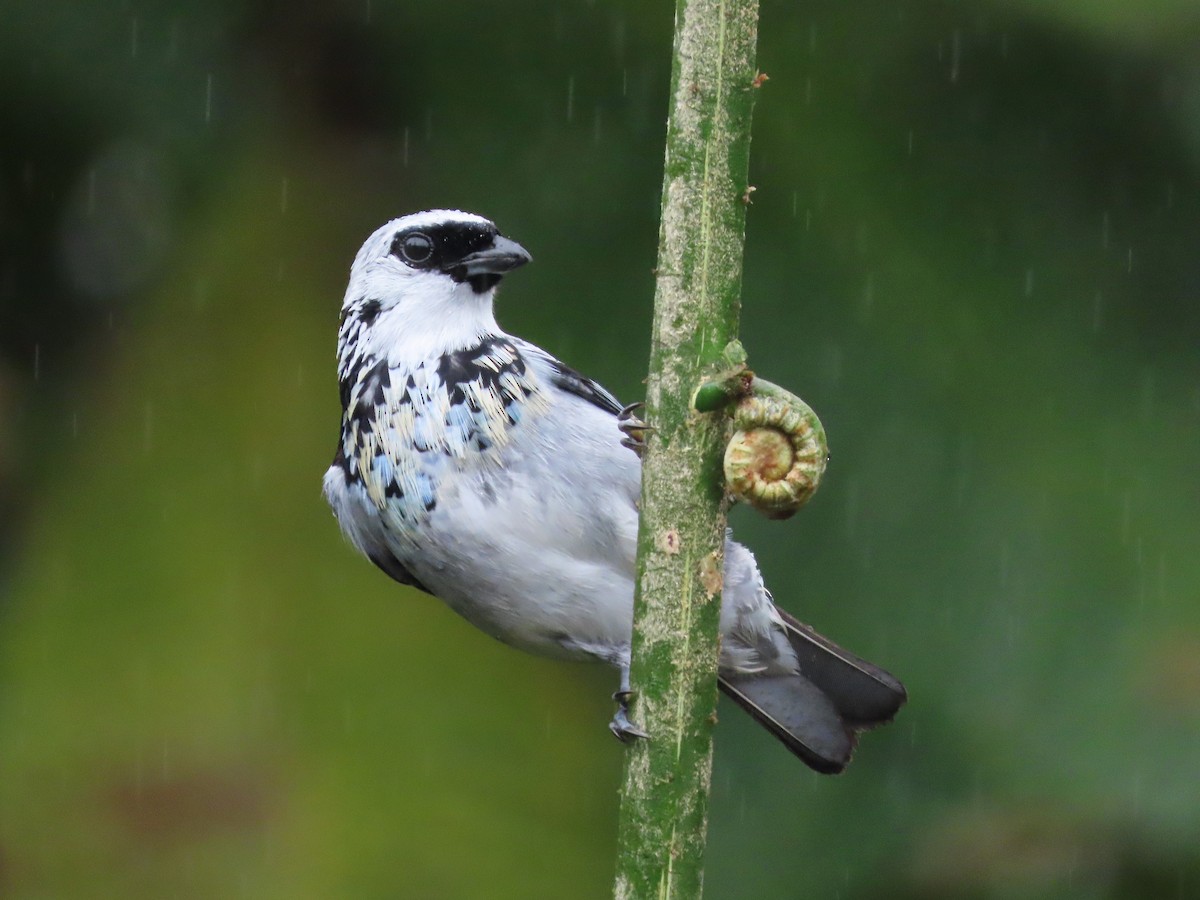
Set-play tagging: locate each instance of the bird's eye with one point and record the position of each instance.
(416, 248)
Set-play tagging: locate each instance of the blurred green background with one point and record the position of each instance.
(973, 249)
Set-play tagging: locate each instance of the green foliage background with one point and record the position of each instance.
(973, 249)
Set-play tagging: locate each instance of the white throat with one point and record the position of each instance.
(429, 321)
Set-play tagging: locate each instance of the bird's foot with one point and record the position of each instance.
(633, 428)
(621, 726)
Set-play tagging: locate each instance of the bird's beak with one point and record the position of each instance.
(503, 256)
(484, 269)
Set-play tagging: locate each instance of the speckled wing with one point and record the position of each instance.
(569, 380)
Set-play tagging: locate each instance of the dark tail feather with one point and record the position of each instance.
(794, 710)
(863, 693)
(818, 713)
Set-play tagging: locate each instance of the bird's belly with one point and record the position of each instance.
(570, 615)
(539, 559)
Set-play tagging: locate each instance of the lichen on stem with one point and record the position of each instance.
(664, 806)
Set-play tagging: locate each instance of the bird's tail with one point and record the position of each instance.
(818, 712)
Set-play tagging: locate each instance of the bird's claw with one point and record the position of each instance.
(633, 428)
(621, 726)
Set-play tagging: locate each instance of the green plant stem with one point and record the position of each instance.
(664, 804)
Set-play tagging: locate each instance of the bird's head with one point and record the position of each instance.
(429, 279)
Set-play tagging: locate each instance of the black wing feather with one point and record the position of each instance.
(567, 379)
(396, 569)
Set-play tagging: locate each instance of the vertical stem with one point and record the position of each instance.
(664, 807)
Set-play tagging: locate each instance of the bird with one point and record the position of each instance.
(475, 466)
